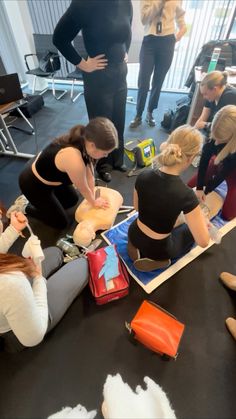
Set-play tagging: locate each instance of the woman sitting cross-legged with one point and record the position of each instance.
(218, 161)
(30, 305)
(159, 197)
(67, 163)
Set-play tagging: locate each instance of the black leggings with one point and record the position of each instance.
(105, 93)
(49, 202)
(176, 245)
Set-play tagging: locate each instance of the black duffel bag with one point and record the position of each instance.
(175, 118)
(33, 104)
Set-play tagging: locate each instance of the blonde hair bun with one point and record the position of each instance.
(183, 143)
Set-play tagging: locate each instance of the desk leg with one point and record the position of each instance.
(26, 120)
(8, 147)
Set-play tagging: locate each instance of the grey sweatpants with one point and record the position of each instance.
(64, 286)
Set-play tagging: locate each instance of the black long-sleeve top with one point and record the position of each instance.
(224, 168)
(105, 26)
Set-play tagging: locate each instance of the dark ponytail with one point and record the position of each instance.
(100, 131)
(74, 137)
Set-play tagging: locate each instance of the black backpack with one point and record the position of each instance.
(175, 118)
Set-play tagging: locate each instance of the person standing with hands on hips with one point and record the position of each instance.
(106, 30)
(159, 18)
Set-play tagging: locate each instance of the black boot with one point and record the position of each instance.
(105, 176)
(150, 120)
(136, 122)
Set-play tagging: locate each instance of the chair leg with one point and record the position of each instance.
(73, 99)
(63, 92)
(72, 90)
(77, 96)
(33, 87)
(26, 120)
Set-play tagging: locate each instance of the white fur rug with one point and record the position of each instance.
(121, 402)
(77, 412)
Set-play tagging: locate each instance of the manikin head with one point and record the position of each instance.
(213, 85)
(183, 144)
(84, 234)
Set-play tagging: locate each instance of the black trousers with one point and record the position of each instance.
(155, 58)
(179, 242)
(105, 93)
(48, 203)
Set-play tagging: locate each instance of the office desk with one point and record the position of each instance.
(7, 145)
(197, 100)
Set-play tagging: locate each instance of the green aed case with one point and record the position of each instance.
(140, 152)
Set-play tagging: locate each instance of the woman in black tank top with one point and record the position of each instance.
(49, 181)
(159, 197)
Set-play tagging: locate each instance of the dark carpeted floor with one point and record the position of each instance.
(71, 365)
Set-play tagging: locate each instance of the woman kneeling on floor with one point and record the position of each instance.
(67, 163)
(159, 197)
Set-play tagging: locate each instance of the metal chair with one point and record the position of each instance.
(43, 44)
(77, 73)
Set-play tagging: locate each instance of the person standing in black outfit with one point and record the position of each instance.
(159, 18)
(106, 30)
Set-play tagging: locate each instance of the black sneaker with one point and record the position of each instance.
(136, 122)
(105, 176)
(150, 120)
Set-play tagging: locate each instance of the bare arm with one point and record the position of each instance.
(203, 118)
(181, 32)
(198, 226)
(135, 200)
(69, 160)
(90, 177)
(182, 28)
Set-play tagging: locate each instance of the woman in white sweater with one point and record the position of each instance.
(30, 305)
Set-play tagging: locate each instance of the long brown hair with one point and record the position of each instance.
(10, 263)
(100, 131)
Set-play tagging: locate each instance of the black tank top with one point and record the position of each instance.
(161, 198)
(46, 168)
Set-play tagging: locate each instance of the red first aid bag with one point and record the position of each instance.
(109, 278)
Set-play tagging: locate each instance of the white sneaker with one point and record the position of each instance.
(19, 205)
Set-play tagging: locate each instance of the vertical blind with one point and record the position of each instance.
(9, 54)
